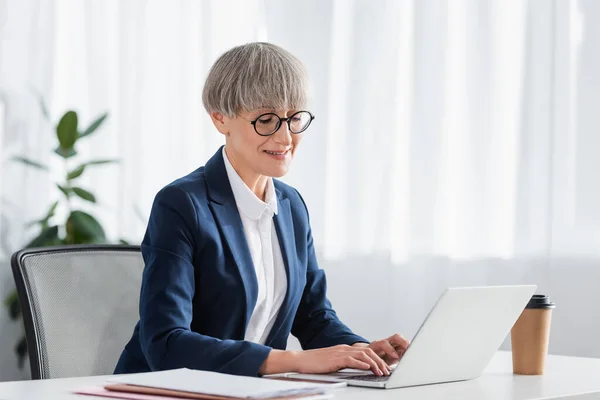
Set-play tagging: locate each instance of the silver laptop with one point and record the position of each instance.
(456, 342)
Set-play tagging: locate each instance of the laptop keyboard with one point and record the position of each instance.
(368, 378)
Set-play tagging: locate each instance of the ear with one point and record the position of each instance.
(221, 122)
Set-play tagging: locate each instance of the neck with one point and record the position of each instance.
(256, 182)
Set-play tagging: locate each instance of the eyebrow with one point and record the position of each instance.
(274, 111)
(266, 110)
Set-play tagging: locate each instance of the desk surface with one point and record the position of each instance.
(565, 376)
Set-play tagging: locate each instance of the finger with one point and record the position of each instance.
(351, 362)
(380, 363)
(363, 356)
(401, 354)
(383, 347)
(399, 341)
(380, 348)
(376, 346)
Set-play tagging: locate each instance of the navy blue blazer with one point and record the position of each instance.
(199, 285)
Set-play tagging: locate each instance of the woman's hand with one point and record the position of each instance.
(322, 361)
(390, 350)
(334, 358)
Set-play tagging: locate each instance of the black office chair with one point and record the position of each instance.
(79, 304)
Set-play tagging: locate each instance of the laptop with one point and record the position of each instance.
(456, 341)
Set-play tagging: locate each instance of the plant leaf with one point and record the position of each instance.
(94, 125)
(84, 194)
(79, 170)
(29, 162)
(76, 172)
(98, 162)
(47, 237)
(21, 350)
(14, 308)
(123, 241)
(66, 191)
(65, 153)
(83, 228)
(44, 221)
(66, 130)
(32, 223)
(11, 298)
(51, 211)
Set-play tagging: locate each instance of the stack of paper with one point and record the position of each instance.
(193, 384)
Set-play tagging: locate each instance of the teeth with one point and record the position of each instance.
(275, 153)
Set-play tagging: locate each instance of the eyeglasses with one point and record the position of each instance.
(269, 123)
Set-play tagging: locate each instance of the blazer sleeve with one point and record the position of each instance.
(316, 324)
(168, 286)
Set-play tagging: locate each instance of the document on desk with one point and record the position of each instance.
(99, 391)
(216, 384)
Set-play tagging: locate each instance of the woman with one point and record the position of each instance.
(230, 266)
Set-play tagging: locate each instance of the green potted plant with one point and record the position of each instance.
(77, 226)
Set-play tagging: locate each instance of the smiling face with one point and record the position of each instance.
(245, 83)
(261, 155)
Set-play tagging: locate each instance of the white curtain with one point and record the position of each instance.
(460, 129)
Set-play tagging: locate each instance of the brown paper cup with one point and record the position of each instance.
(530, 337)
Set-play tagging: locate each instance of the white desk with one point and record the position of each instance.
(575, 378)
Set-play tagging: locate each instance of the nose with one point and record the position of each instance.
(283, 135)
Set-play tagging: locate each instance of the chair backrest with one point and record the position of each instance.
(79, 305)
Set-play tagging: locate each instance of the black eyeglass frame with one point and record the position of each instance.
(281, 120)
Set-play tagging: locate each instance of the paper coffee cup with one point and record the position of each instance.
(530, 336)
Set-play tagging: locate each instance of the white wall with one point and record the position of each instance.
(377, 299)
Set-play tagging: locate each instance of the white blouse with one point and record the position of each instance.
(259, 228)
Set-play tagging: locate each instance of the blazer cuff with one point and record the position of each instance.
(361, 341)
(252, 360)
(352, 339)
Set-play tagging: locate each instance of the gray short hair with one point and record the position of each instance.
(254, 76)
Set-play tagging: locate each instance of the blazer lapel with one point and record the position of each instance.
(228, 218)
(287, 241)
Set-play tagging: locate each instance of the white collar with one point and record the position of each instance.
(247, 202)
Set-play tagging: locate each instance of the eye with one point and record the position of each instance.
(265, 120)
(296, 119)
